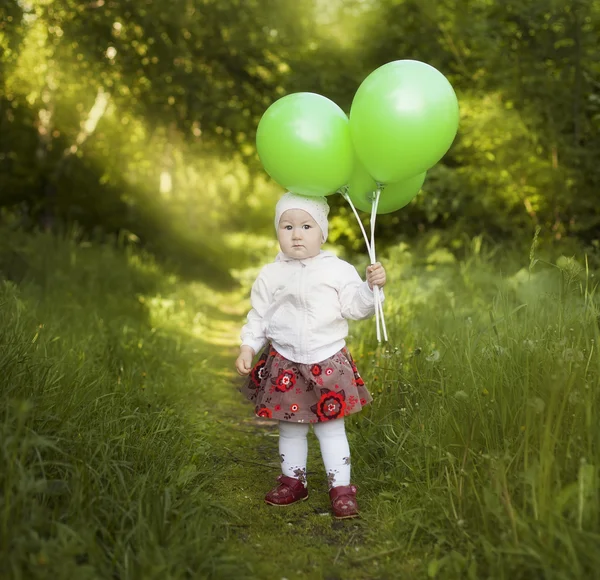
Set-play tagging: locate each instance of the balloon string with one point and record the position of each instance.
(379, 317)
(372, 257)
(374, 205)
(347, 198)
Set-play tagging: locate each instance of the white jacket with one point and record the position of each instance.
(302, 306)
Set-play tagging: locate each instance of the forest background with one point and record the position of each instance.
(139, 118)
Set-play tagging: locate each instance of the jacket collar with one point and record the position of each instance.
(281, 257)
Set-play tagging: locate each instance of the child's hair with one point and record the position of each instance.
(316, 207)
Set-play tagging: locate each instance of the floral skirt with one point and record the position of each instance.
(305, 393)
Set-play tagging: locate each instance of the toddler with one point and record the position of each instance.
(301, 303)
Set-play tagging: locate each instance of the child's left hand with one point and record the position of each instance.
(376, 275)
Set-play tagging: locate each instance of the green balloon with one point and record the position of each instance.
(303, 141)
(403, 120)
(393, 196)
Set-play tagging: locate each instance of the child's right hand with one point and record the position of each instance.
(243, 363)
(376, 275)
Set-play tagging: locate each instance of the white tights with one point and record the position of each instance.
(335, 451)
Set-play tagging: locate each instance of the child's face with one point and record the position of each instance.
(299, 234)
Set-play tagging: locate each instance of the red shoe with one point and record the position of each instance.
(343, 501)
(288, 491)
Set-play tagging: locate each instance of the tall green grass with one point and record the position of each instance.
(101, 475)
(479, 457)
(483, 440)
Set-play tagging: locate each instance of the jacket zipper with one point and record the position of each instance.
(304, 328)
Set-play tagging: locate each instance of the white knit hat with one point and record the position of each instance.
(316, 207)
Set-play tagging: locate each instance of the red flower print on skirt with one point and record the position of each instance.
(263, 411)
(331, 405)
(305, 393)
(257, 374)
(285, 381)
(351, 402)
(357, 377)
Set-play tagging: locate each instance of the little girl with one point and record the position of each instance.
(300, 306)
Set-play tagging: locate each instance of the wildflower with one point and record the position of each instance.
(572, 355)
(537, 405)
(434, 356)
(529, 345)
(485, 392)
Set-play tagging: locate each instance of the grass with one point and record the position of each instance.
(102, 475)
(483, 441)
(126, 451)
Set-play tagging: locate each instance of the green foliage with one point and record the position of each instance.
(131, 120)
(143, 118)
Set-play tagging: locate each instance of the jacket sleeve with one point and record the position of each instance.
(357, 300)
(253, 332)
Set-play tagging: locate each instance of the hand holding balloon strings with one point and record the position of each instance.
(379, 317)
